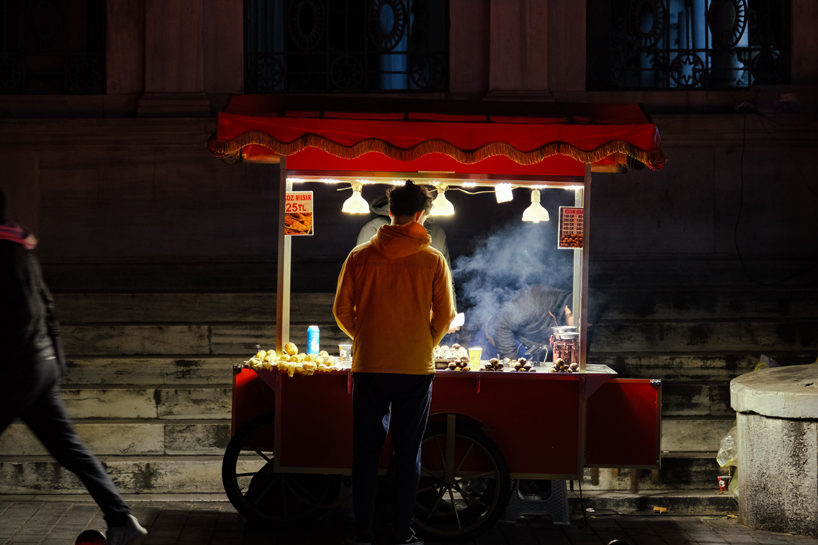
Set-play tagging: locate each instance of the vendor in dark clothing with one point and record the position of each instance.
(523, 324)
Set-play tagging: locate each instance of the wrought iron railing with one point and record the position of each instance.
(52, 46)
(358, 46)
(686, 44)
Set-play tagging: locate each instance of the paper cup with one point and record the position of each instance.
(474, 357)
(724, 482)
(345, 353)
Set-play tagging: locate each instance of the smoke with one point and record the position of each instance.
(518, 255)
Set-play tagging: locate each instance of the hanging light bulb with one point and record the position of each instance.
(503, 193)
(535, 212)
(356, 203)
(441, 205)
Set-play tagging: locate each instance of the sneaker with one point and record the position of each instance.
(130, 533)
(414, 539)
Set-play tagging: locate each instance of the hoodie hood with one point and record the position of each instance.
(380, 207)
(396, 241)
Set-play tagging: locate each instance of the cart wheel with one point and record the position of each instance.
(263, 496)
(472, 499)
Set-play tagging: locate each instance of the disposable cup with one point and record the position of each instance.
(474, 357)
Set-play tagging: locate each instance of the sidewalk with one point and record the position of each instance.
(209, 520)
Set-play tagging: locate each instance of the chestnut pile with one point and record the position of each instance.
(523, 366)
(493, 365)
(460, 364)
(561, 367)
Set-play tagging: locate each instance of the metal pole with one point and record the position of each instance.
(581, 260)
(284, 262)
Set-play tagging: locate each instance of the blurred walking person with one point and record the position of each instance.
(31, 365)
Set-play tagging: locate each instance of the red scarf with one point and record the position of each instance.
(15, 233)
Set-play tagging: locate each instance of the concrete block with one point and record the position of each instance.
(160, 475)
(129, 438)
(778, 474)
(83, 308)
(692, 303)
(123, 438)
(783, 392)
(242, 339)
(678, 472)
(150, 371)
(197, 437)
(694, 434)
(117, 340)
(630, 338)
(695, 399)
(110, 403)
(209, 402)
(682, 367)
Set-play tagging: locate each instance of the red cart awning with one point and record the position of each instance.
(503, 138)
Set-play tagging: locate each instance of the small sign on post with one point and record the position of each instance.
(298, 213)
(572, 222)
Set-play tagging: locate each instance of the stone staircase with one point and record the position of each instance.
(149, 379)
(149, 386)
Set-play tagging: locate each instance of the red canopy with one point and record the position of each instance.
(505, 138)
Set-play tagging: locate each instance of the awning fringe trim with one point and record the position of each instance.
(232, 148)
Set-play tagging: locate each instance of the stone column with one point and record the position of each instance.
(174, 75)
(778, 448)
(469, 47)
(566, 46)
(518, 53)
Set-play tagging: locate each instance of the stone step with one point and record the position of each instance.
(135, 371)
(706, 501)
(143, 401)
(215, 402)
(130, 438)
(202, 475)
(217, 370)
(691, 434)
(707, 303)
(610, 339)
(696, 399)
(146, 402)
(120, 437)
(131, 474)
(711, 366)
(679, 471)
(636, 303)
(184, 340)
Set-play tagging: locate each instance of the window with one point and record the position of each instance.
(52, 46)
(686, 44)
(353, 46)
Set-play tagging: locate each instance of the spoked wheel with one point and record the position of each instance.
(259, 493)
(464, 484)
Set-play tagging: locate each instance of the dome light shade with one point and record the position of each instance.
(535, 213)
(441, 205)
(356, 204)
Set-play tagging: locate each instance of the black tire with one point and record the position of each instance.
(479, 494)
(258, 493)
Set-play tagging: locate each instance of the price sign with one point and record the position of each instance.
(572, 223)
(298, 213)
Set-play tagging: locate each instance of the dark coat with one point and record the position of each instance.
(527, 318)
(27, 322)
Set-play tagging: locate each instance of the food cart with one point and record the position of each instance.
(292, 435)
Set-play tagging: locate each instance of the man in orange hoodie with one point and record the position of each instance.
(394, 299)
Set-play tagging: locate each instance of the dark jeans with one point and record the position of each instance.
(41, 407)
(409, 397)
